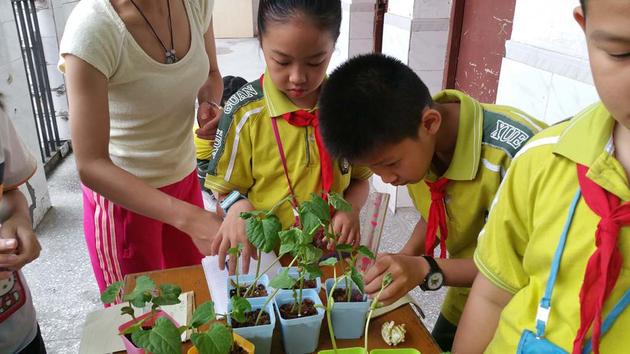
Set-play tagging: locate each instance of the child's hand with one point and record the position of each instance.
(231, 234)
(18, 245)
(208, 116)
(407, 271)
(201, 225)
(346, 226)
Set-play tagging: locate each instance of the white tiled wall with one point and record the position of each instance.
(357, 30)
(546, 72)
(14, 87)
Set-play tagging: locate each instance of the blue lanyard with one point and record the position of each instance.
(544, 308)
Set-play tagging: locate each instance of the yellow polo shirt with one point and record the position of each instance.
(488, 138)
(246, 158)
(517, 245)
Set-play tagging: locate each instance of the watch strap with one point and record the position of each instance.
(433, 268)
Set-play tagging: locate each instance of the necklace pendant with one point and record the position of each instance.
(171, 57)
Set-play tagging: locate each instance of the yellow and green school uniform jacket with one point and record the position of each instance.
(488, 138)
(203, 152)
(518, 242)
(246, 157)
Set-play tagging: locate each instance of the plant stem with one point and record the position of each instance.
(238, 286)
(278, 204)
(369, 317)
(300, 294)
(265, 306)
(329, 307)
(262, 273)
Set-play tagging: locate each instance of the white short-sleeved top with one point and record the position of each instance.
(151, 104)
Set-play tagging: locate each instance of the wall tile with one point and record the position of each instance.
(567, 97)
(524, 87)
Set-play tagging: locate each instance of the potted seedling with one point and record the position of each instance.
(262, 228)
(155, 331)
(251, 318)
(219, 338)
(387, 279)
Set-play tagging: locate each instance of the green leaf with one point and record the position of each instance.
(387, 279)
(289, 240)
(329, 262)
(127, 310)
(344, 248)
(251, 214)
(313, 270)
(363, 250)
(240, 306)
(236, 251)
(142, 293)
(163, 338)
(337, 202)
(310, 223)
(216, 341)
(169, 295)
(317, 206)
(263, 233)
(311, 254)
(282, 281)
(111, 293)
(357, 278)
(203, 314)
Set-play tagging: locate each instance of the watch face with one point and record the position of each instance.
(435, 281)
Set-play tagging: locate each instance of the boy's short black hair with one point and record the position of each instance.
(368, 102)
(231, 84)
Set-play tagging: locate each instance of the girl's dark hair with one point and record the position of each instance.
(326, 14)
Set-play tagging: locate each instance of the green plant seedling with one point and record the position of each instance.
(387, 280)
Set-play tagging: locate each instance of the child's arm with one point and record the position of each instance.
(415, 245)
(347, 224)
(89, 109)
(484, 306)
(410, 271)
(19, 244)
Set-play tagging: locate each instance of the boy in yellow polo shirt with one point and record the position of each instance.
(553, 257)
(450, 150)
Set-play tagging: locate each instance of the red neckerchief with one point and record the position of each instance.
(437, 218)
(303, 118)
(604, 265)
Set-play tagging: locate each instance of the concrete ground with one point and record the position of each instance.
(61, 281)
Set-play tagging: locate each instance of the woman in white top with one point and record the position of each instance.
(133, 70)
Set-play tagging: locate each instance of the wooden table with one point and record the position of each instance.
(193, 279)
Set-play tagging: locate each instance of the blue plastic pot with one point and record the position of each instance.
(348, 318)
(260, 336)
(293, 273)
(300, 335)
(246, 280)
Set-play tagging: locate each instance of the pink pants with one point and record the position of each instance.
(121, 242)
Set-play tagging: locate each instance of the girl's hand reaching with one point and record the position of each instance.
(231, 234)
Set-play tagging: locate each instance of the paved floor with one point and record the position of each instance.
(61, 281)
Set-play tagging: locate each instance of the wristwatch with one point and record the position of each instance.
(230, 199)
(435, 278)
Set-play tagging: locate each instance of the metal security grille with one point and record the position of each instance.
(35, 66)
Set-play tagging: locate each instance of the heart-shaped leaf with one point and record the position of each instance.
(317, 206)
(366, 252)
(163, 338)
(337, 202)
(240, 306)
(282, 281)
(328, 262)
(142, 293)
(313, 270)
(263, 233)
(203, 314)
(111, 293)
(357, 278)
(169, 295)
(216, 341)
(311, 254)
(344, 248)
